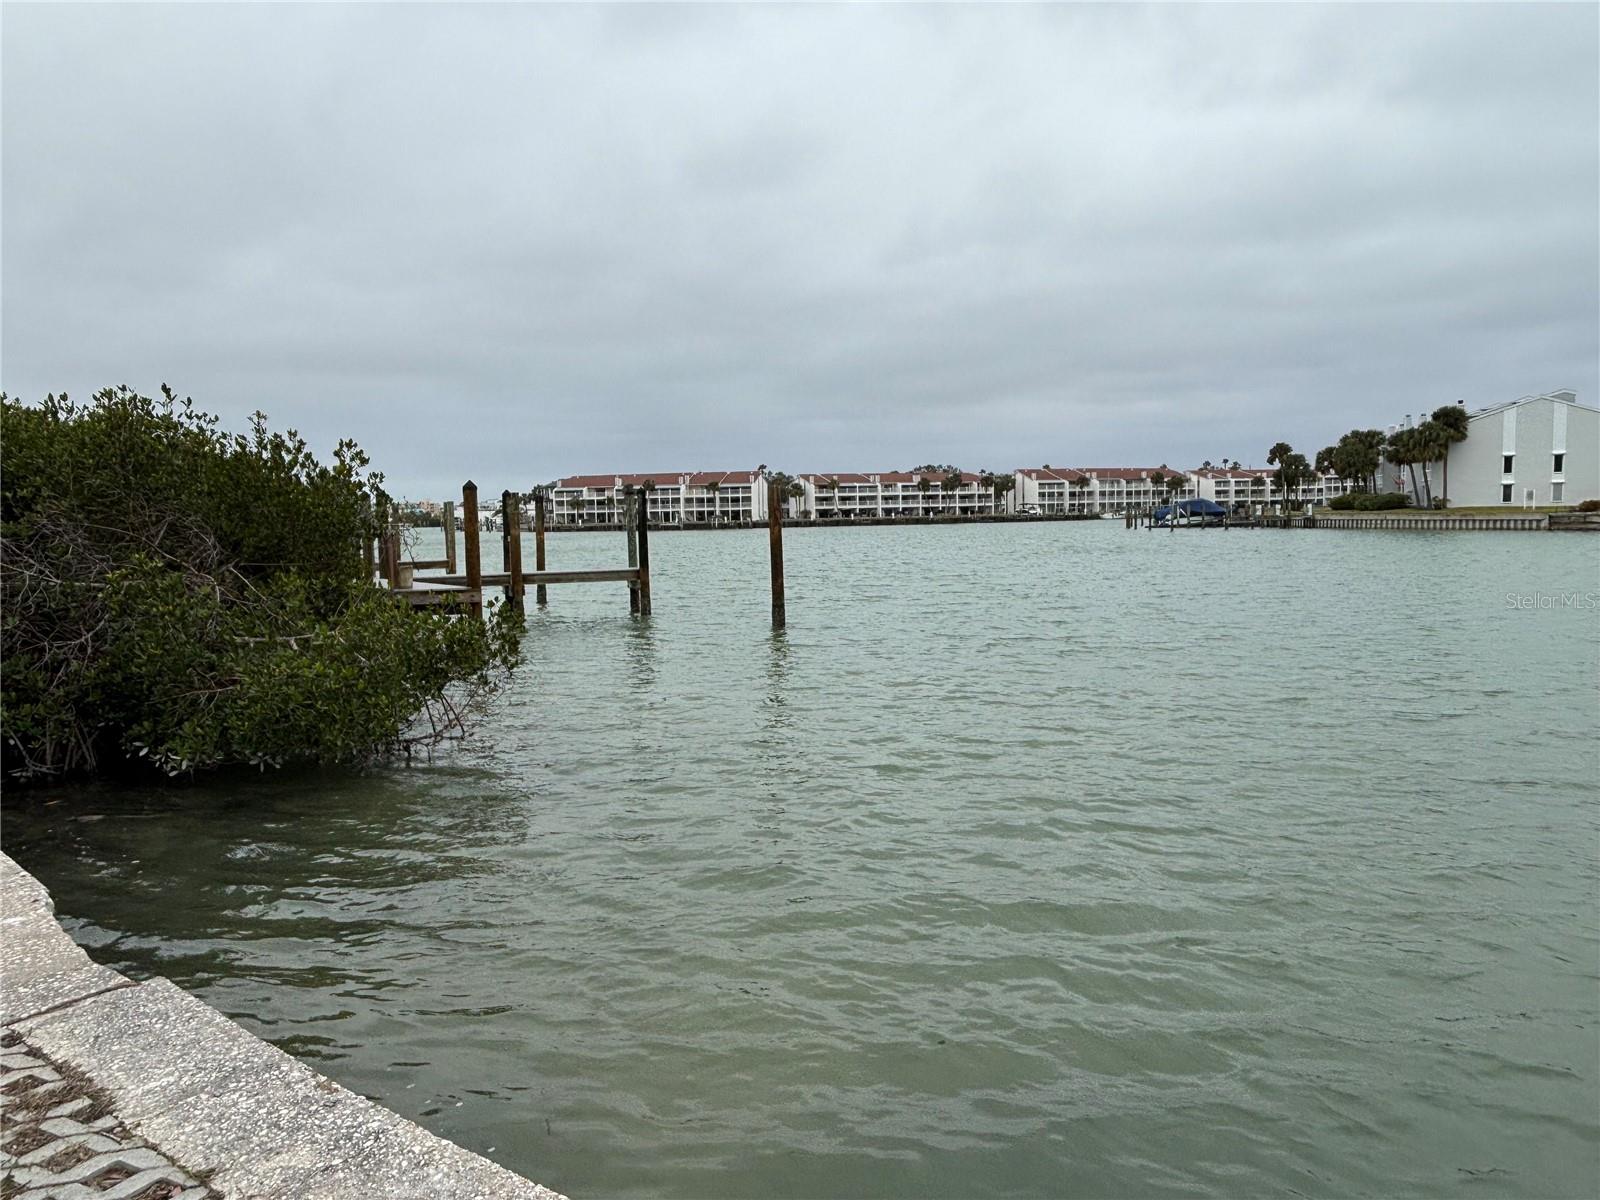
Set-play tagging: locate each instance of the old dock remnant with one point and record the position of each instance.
(466, 588)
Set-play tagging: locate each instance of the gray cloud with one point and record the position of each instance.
(514, 242)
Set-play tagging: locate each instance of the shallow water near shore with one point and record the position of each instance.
(1030, 860)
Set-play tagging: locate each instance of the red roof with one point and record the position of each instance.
(612, 481)
(913, 477)
(841, 476)
(1074, 474)
(701, 478)
(1066, 474)
(1127, 473)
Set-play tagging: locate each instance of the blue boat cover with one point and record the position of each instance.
(1198, 507)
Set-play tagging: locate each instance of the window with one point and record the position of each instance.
(1556, 490)
(1505, 493)
(1505, 469)
(1560, 459)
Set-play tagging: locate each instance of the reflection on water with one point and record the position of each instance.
(1027, 861)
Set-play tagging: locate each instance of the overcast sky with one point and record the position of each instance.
(516, 242)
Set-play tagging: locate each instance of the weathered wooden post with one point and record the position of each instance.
(391, 540)
(381, 538)
(538, 543)
(367, 543)
(511, 518)
(469, 545)
(775, 544)
(644, 560)
(630, 522)
(450, 537)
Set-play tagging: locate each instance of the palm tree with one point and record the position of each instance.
(951, 483)
(1002, 486)
(924, 485)
(1433, 442)
(1356, 457)
(1293, 471)
(1452, 422)
(1275, 457)
(831, 486)
(715, 488)
(1083, 493)
(1401, 450)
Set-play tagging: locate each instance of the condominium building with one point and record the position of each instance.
(889, 494)
(1236, 487)
(1049, 489)
(672, 497)
(1537, 450)
(1242, 488)
(1095, 489)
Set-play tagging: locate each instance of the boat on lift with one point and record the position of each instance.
(1198, 511)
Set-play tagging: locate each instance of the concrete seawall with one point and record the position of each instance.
(1440, 521)
(114, 1088)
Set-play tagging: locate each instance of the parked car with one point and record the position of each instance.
(1028, 510)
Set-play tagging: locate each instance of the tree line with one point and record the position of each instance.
(1358, 456)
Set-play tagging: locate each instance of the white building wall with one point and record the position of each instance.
(1531, 433)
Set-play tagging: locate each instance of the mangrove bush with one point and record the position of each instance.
(179, 597)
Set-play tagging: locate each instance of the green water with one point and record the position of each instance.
(1031, 861)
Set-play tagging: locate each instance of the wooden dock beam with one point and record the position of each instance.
(450, 536)
(775, 547)
(503, 579)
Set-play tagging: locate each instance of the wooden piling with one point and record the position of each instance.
(539, 594)
(367, 557)
(394, 555)
(505, 532)
(632, 502)
(643, 580)
(381, 538)
(775, 545)
(469, 545)
(450, 536)
(511, 518)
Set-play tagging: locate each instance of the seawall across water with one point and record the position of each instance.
(112, 1087)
